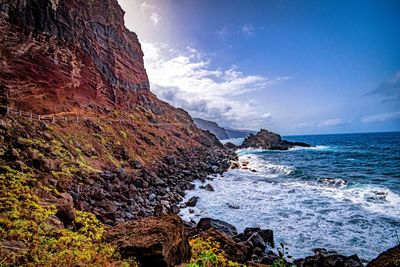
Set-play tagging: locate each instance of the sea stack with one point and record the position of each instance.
(265, 139)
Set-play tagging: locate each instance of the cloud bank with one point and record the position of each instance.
(186, 80)
(382, 117)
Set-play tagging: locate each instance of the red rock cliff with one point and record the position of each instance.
(59, 55)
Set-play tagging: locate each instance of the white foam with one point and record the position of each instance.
(235, 141)
(303, 214)
(309, 148)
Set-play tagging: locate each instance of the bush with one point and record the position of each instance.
(207, 253)
(26, 220)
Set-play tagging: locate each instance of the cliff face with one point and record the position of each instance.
(74, 58)
(213, 127)
(60, 55)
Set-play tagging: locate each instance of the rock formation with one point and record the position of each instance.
(69, 54)
(152, 241)
(220, 132)
(108, 144)
(265, 139)
(388, 258)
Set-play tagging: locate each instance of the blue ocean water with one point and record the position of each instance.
(343, 194)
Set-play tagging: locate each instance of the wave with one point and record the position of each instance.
(309, 148)
(261, 167)
(244, 151)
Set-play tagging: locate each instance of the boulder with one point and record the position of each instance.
(207, 187)
(153, 241)
(65, 209)
(268, 140)
(234, 251)
(254, 234)
(324, 258)
(192, 201)
(389, 258)
(221, 226)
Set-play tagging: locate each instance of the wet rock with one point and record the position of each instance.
(192, 201)
(207, 187)
(221, 226)
(255, 234)
(389, 258)
(153, 241)
(324, 258)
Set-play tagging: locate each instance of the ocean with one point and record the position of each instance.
(343, 194)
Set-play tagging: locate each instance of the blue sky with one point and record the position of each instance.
(295, 67)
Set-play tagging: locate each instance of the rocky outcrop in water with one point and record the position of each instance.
(265, 139)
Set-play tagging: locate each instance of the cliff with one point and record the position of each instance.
(220, 132)
(70, 54)
(211, 126)
(85, 145)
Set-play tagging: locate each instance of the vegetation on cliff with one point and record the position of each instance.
(32, 238)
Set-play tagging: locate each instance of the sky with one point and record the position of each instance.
(294, 67)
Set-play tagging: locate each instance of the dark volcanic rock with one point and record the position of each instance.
(207, 187)
(153, 241)
(221, 226)
(269, 140)
(389, 258)
(238, 252)
(255, 234)
(324, 258)
(192, 201)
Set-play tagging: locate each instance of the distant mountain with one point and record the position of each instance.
(235, 133)
(213, 127)
(220, 132)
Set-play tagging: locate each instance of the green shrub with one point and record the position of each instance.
(25, 219)
(207, 253)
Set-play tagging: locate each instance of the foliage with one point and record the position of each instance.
(207, 253)
(283, 254)
(25, 220)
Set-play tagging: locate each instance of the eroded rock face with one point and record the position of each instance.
(265, 139)
(153, 241)
(59, 55)
(389, 258)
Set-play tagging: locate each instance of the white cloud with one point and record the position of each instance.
(155, 18)
(152, 11)
(389, 89)
(322, 124)
(186, 80)
(382, 117)
(247, 29)
(332, 122)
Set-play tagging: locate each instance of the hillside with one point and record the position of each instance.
(220, 132)
(85, 144)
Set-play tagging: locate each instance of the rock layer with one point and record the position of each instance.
(68, 54)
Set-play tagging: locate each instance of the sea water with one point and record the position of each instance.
(343, 194)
